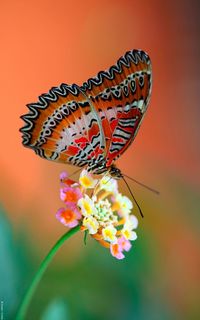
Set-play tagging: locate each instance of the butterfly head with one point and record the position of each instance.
(115, 172)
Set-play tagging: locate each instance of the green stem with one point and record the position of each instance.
(27, 298)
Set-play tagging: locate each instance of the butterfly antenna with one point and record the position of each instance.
(142, 184)
(133, 197)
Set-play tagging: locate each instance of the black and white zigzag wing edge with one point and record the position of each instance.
(43, 102)
(134, 56)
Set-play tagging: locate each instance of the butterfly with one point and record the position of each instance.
(93, 124)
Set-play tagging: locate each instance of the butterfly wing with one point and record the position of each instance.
(94, 124)
(63, 126)
(120, 96)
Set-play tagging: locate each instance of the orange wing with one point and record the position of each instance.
(63, 127)
(120, 96)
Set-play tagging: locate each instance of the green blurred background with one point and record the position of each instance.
(44, 43)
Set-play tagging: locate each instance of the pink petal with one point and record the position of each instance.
(62, 194)
(63, 175)
(120, 256)
(116, 251)
(76, 191)
(59, 212)
(74, 208)
(124, 244)
(73, 224)
(66, 181)
(78, 214)
(59, 215)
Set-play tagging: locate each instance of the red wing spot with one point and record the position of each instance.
(113, 124)
(81, 140)
(93, 131)
(73, 150)
(109, 162)
(117, 140)
(95, 153)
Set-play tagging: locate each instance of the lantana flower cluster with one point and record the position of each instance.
(100, 210)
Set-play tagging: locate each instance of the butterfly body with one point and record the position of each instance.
(93, 124)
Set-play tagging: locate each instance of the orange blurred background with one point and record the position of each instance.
(45, 43)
